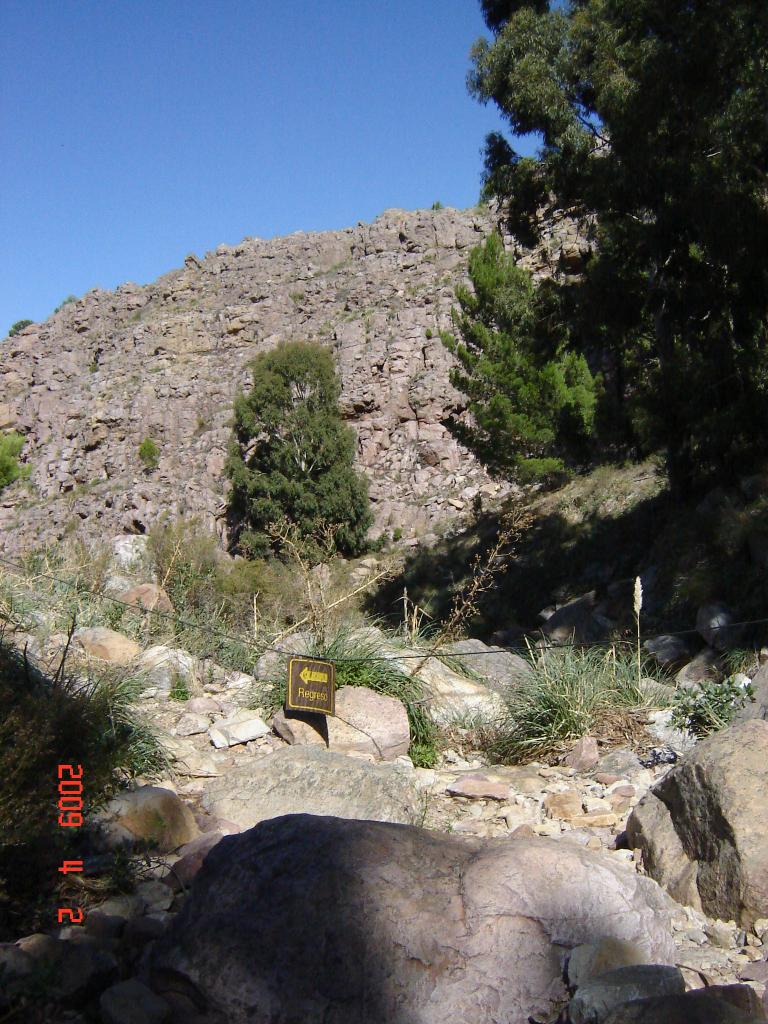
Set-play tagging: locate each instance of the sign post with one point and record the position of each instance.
(311, 686)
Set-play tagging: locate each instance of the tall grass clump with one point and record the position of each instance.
(49, 721)
(571, 692)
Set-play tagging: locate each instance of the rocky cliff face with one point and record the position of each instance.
(165, 361)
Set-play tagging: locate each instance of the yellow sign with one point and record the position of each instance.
(311, 686)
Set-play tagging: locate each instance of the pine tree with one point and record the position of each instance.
(651, 115)
(292, 457)
(531, 411)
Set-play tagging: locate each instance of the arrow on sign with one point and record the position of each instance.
(307, 675)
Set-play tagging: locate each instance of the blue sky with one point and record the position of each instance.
(137, 131)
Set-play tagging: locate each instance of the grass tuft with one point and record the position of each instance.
(570, 693)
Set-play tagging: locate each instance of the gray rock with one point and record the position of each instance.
(164, 667)
(757, 708)
(309, 780)
(598, 996)
(706, 666)
(703, 1006)
(398, 924)
(713, 621)
(500, 669)
(383, 719)
(670, 651)
(620, 761)
(229, 732)
(130, 1002)
(705, 823)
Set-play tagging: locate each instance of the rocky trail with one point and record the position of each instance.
(303, 873)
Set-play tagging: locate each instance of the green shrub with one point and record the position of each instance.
(149, 453)
(292, 456)
(571, 692)
(18, 327)
(179, 689)
(710, 707)
(10, 448)
(437, 205)
(65, 302)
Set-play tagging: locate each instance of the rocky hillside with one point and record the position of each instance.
(165, 361)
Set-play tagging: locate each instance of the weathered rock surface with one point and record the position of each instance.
(106, 645)
(149, 596)
(704, 824)
(166, 359)
(383, 719)
(151, 814)
(317, 919)
(310, 780)
(450, 695)
(500, 669)
(365, 724)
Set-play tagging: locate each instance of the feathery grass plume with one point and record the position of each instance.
(638, 604)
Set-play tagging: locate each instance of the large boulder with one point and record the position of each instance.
(310, 780)
(317, 919)
(715, 623)
(166, 667)
(727, 1004)
(703, 825)
(450, 696)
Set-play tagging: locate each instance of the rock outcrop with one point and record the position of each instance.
(165, 361)
(317, 919)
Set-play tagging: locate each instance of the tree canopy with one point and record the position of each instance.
(292, 457)
(652, 120)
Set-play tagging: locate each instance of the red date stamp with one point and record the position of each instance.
(70, 806)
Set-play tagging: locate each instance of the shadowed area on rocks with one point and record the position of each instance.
(325, 919)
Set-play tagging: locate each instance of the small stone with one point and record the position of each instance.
(594, 820)
(192, 725)
(697, 936)
(584, 755)
(597, 805)
(230, 733)
(760, 928)
(607, 778)
(478, 787)
(565, 805)
(203, 705)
